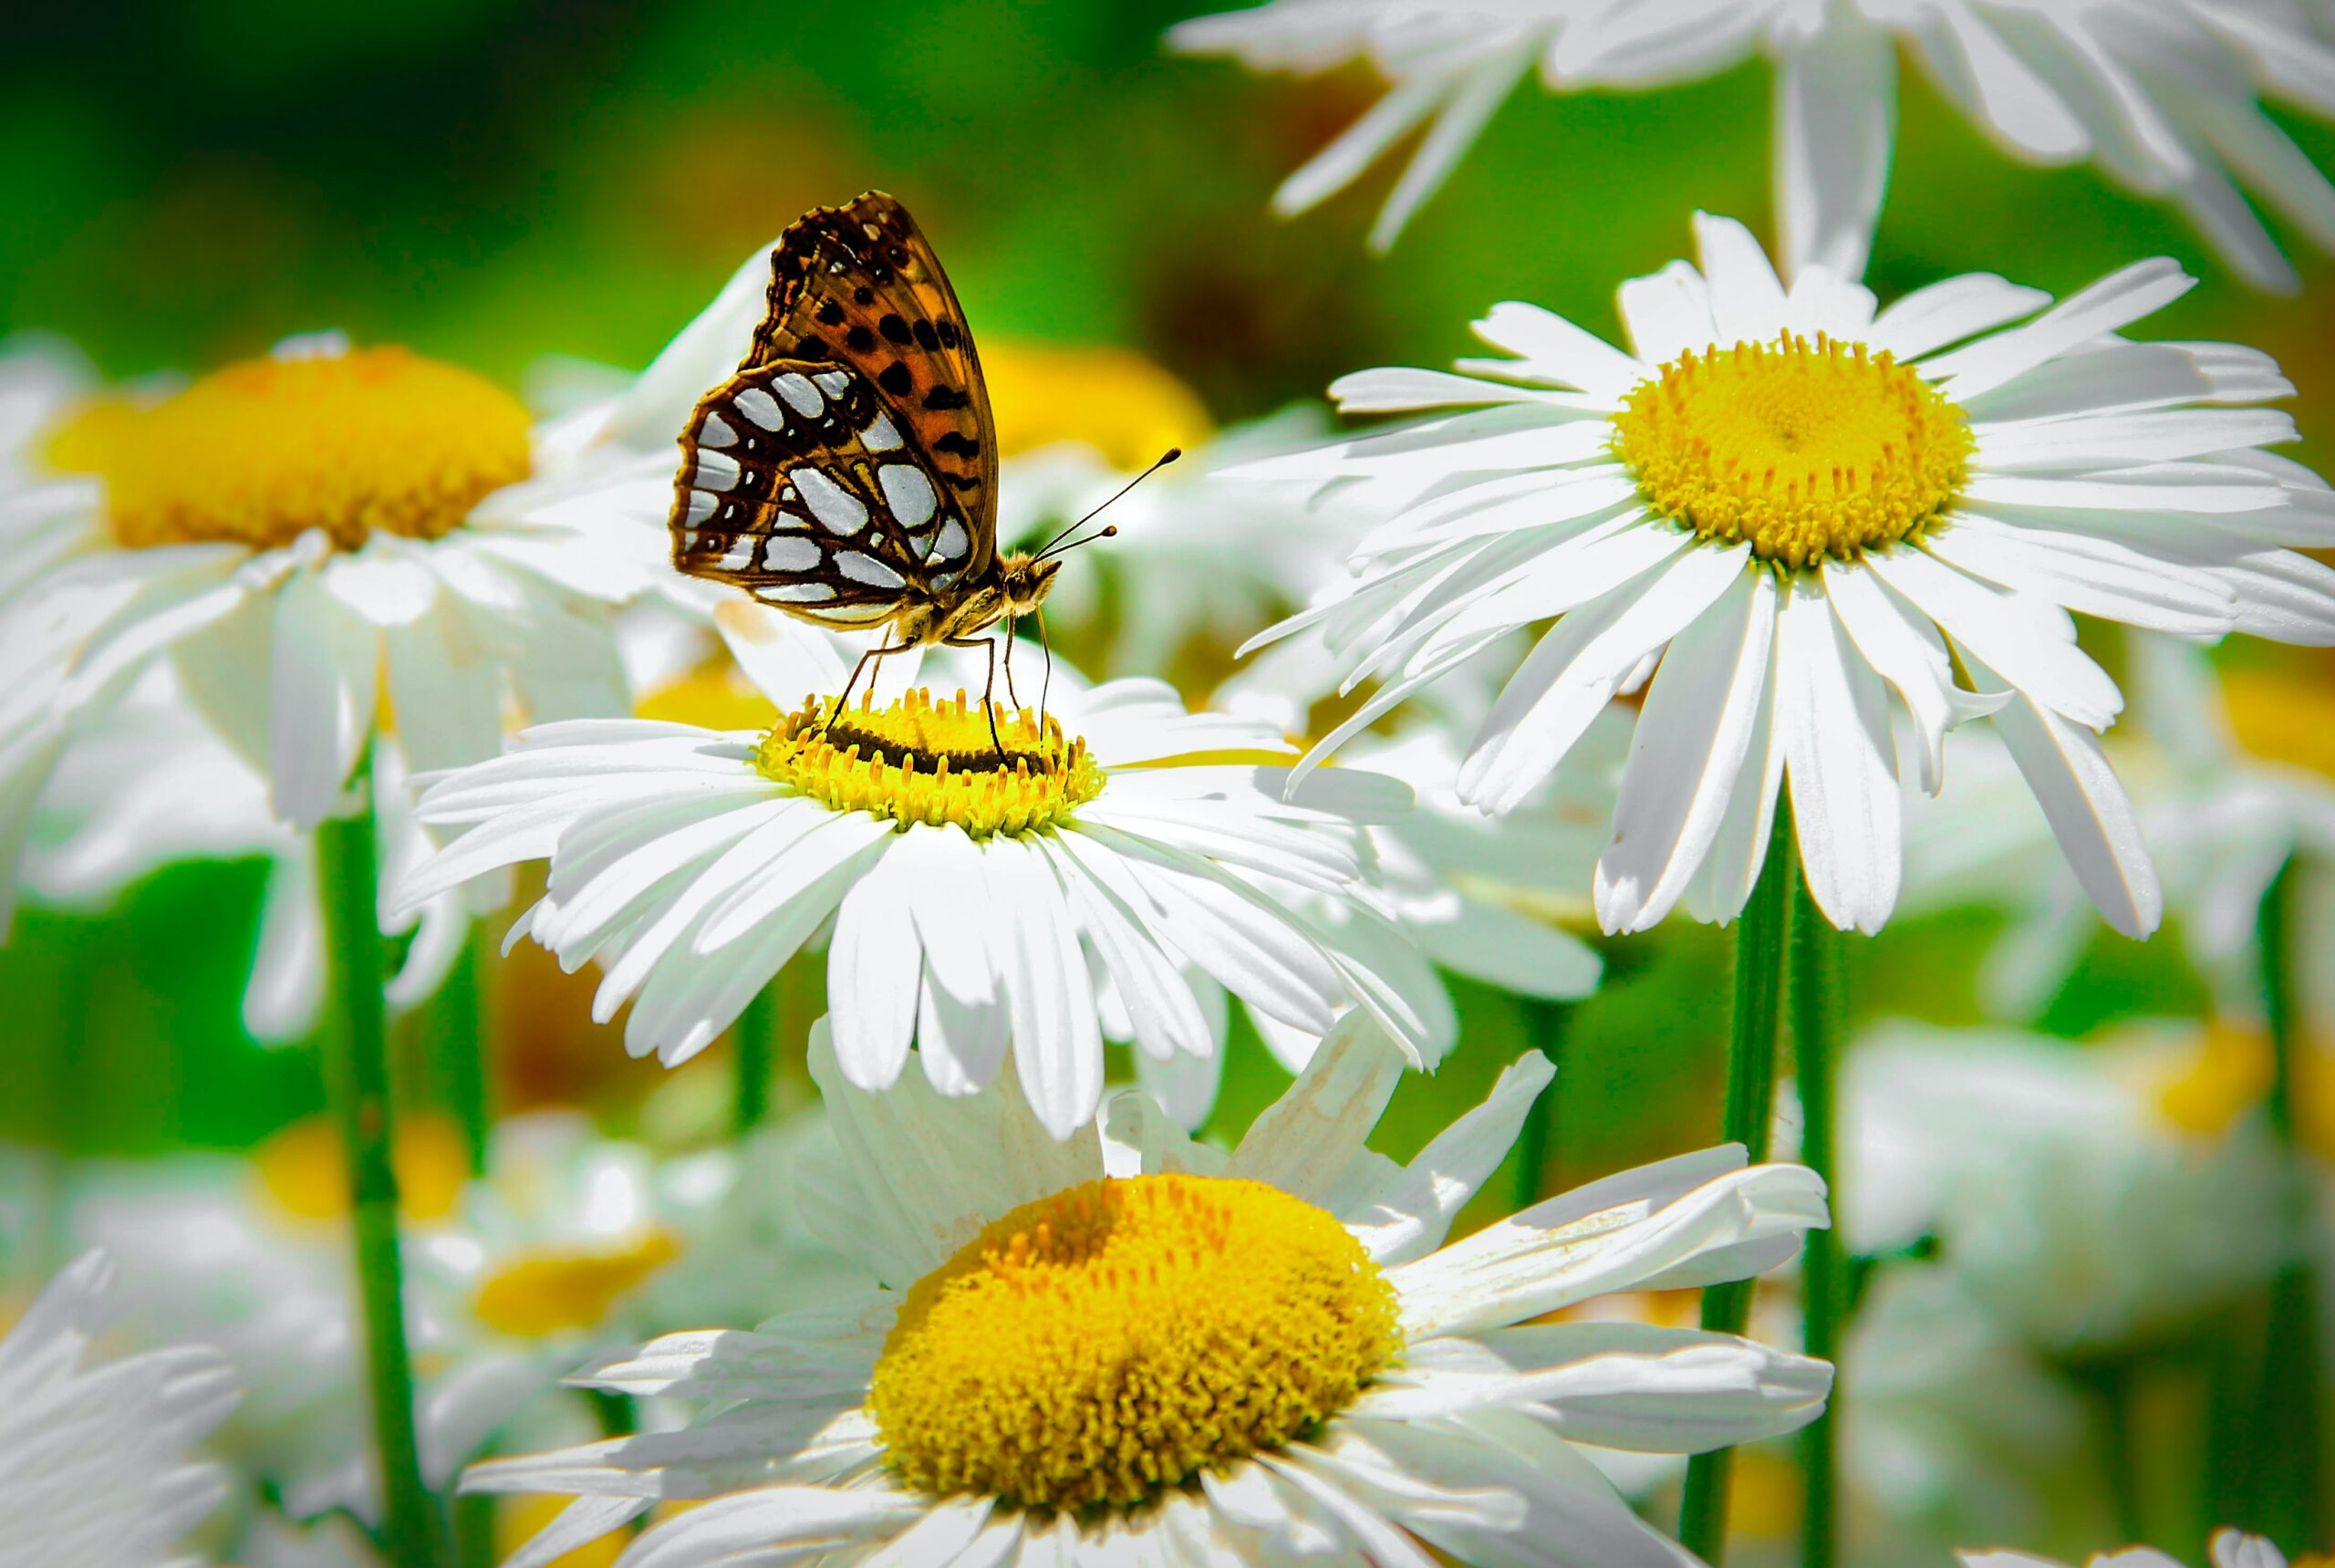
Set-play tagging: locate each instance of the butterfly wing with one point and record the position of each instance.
(862, 393)
(859, 285)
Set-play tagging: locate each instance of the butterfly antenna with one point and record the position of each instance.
(1170, 455)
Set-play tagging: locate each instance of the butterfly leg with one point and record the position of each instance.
(988, 691)
(876, 654)
(1011, 695)
(1045, 682)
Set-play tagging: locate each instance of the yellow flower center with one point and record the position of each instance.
(259, 452)
(1802, 450)
(546, 1291)
(302, 1169)
(1093, 1348)
(935, 762)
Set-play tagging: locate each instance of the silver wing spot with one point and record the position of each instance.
(833, 382)
(715, 431)
(868, 569)
(762, 408)
(790, 553)
(907, 493)
(881, 434)
(713, 471)
(952, 543)
(800, 395)
(702, 506)
(838, 510)
(741, 557)
(798, 592)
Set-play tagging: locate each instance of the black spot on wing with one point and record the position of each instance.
(940, 399)
(897, 380)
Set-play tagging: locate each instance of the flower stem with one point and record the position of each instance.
(752, 1041)
(1759, 953)
(358, 1081)
(1816, 1048)
(2286, 1435)
(459, 1035)
(1544, 1029)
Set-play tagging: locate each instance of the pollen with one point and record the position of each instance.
(933, 761)
(1806, 451)
(369, 440)
(551, 1290)
(1095, 1348)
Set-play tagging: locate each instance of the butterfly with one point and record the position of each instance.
(847, 472)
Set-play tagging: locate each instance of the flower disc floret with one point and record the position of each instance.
(1803, 449)
(921, 761)
(1121, 1336)
(371, 441)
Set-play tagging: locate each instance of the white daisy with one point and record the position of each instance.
(971, 904)
(301, 535)
(2164, 95)
(1389, 1394)
(561, 1251)
(2221, 824)
(2084, 1198)
(95, 1453)
(147, 783)
(2229, 1548)
(1794, 512)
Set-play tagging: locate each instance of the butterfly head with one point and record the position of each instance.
(1023, 581)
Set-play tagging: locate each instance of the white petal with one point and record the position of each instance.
(1835, 103)
(1906, 651)
(872, 968)
(1747, 297)
(1550, 348)
(1668, 314)
(2086, 807)
(1839, 762)
(2114, 302)
(2031, 638)
(321, 686)
(1691, 741)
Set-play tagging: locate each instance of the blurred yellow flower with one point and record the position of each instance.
(1123, 405)
(543, 1291)
(2228, 1073)
(714, 696)
(301, 1167)
(2283, 716)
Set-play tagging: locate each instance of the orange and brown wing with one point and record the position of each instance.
(859, 286)
(799, 485)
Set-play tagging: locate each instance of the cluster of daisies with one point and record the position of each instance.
(1583, 624)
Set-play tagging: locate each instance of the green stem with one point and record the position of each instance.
(751, 1039)
(1536, 1141)
(459, 1038)
(1825, 1274)
(2288, 1444)
(2110, 1384)
(1759, 951)
(358, 1081)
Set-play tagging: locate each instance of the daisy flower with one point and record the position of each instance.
(1785, 514)
(2229, 782)
(1067, 1325)
(303, 535)
(975, 899)
(147, 783)
(2085, 1198)
(570, 1245)
(2166, 96)
(96, 1452)
(2229, 1549)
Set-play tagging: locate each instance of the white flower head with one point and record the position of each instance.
(1315, 1373)
(1783, 514)
(147, 783)
(96, 1452)
(981, 885)
(2229, 1549)
(300, 534)
(2164, 95)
